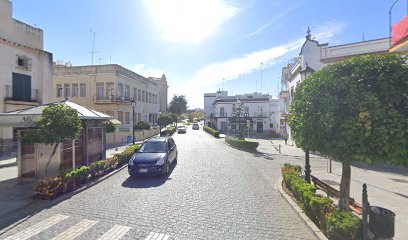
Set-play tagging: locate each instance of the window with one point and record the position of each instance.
(109, 90)
(23, 62)
(119, 92)
(127, 92)
(135, 93)
(143, 96)
(271, 125)
(67, 91)
(21, 87)
(150, 98)
(120, 116)
(75, 90)
(139, 95)
(82, 89)
(127, 117)
(139, 117)
(100, 91)
(59, 90)
(110, 113)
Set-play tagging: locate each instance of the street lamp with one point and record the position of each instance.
(238, 112)
(389, 21)
(133, 103)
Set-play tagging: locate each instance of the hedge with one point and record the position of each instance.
(211, 131)
(333, 222)
(54, 186)
(242, 144)
(171, 130)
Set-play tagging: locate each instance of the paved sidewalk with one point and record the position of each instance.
(387, 185)
(8, 162)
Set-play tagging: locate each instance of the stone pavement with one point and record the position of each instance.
(387, 185)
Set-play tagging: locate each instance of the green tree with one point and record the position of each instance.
(110, 127)
(57, 124)
(142, 125)
(354, 110)
(178, 105)
(164, 121)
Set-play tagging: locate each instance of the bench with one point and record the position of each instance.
(334, 193)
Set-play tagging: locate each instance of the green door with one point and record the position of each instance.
(21, 87)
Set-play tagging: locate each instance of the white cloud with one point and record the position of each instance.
(213, 74)
(151, 72)
(189, 21)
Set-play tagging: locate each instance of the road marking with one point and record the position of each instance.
(157, 236)
(116, 232)
(76, 230)
(37, 228)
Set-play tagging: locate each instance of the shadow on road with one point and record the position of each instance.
(147, 181)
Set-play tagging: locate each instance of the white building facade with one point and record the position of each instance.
(314, 56)
(25, 71)
(259, 113)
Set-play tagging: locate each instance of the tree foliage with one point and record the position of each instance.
(142, 125)
(110, 127)
(57, 123)
(355, 110)
(178, 105)
(164, 120)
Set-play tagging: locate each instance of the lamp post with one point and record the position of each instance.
(389, 21)
(133, 103)
(305, 73)
(238, 112)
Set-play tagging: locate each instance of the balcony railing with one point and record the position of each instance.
(221, 114)
(34, 95)
(260, 114)
(111, 98)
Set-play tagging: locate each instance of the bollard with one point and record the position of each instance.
(279, 148)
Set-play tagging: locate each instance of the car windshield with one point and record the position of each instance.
(153, 147)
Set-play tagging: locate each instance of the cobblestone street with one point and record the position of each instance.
(214, 192)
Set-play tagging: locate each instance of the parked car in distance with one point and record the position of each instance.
(181, 129)
(154, 157)
(196, 126)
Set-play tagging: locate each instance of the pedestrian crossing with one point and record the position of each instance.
(116, 232)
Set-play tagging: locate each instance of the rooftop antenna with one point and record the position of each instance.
(93, 45)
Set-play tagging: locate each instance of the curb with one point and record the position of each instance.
(312, 227)
(86, 186)
(8, 165)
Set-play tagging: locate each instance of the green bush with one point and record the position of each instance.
(334, 223)
(211, 131)
(81, 174)
(49, 188)
(242, 144)
(97, 168)
(124, 157)
(171, 130)
(344, 225)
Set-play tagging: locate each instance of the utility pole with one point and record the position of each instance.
(261, 77)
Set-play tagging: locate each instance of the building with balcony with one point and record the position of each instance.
(25, 72)
(109, 89)
(314, 56)
(249, 113)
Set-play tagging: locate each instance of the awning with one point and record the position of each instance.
(27, 117)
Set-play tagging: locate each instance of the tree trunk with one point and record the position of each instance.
(345, 186)
(49, 160)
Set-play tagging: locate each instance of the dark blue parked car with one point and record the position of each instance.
(154, 157)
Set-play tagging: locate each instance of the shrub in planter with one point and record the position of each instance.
(344, 225)
(123, 158)
(242, 144)
(80, 174)
(111, 164)
(133, 147)
(49, 188)
(171, 130)
(97, 168)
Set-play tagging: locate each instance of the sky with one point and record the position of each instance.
(202, 46)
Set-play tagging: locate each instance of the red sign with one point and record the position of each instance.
(400, 31)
